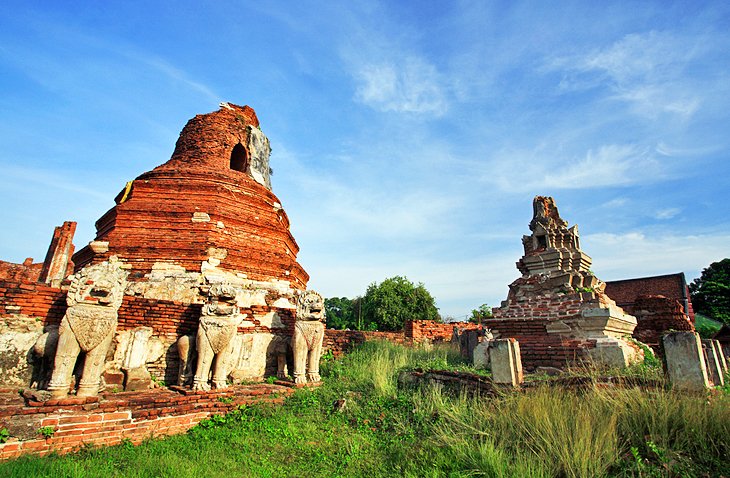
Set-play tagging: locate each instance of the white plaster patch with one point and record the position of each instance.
(271, 320)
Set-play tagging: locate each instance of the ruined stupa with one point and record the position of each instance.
(194, 260)
(211, 201)
(557, 309)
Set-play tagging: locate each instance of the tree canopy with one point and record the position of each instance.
(480, 314)
(396, 300)
(343, 313)
(711, 291)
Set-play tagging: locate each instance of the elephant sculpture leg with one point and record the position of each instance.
(93, 367)
(300, 350)
(313, 357)
(222, 367)
(186, 352)
(67, 352)
(205, 359)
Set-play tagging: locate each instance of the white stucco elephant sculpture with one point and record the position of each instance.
(219, 320)
(308, 335)
(93, 299)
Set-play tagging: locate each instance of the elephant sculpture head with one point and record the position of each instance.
(310, 306)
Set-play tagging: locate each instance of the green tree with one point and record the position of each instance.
(481, 314)
(343, 313)
(394, 301)
(711, 291)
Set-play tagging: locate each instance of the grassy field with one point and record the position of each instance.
(387, 431)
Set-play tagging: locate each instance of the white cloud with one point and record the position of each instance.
(645, 70)
(607, 166)
(638, 254)
(47, 180)
(667, 213)
(408, 86)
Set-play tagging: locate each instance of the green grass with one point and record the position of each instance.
(387, 431)
(706, 326)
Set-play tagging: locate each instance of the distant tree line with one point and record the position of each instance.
(385, 306)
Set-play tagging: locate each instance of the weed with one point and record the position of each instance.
(46, 432)
(4, 435)
(158, 381)
(328, 356)
(271, 379)
(226, 400)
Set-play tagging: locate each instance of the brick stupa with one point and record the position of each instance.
(558, 310)
(210, 205)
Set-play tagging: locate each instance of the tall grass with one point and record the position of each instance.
(387, 431)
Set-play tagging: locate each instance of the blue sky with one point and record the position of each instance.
(408, 138)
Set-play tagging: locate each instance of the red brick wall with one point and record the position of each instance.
(109, 419)
(340, 342)
(32, 299)
(655, 316)
(27, 271)
(537, 347)
(432, 331)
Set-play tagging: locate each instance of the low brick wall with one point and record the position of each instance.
(113, 417)
(340, 342)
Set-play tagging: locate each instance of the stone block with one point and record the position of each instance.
(721, 356)
(502, 357)
(18, 336)
(715, 371)
(685, 362)
(468, 340)
(137, 379)
(517, 360)
(480, 357)
(612, 352)
(136, 350)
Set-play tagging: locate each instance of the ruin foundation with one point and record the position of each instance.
(558, 310)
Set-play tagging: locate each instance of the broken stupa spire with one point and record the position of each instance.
(210, 204)
(558, 310)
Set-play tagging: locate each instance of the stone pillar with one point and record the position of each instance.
(55, 266)
(714, 369)
(685, 362)
(721, 356)
(517, 359)
(468, 340)
(137, 377)
(504, 357)
(480, 357)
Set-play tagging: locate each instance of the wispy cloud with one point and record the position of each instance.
(667, 213)
(646, 70)
(48, 180)
(73, 60)
(409, 86)
(638, 254)
(606, 166)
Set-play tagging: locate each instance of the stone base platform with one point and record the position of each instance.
(61, 426)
